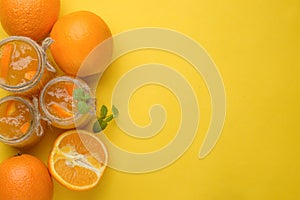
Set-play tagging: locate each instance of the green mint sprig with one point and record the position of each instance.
(83, 106)
(104, 119)
(83, 99)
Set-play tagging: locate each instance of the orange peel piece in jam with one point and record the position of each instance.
(60, 111)
(6, 52)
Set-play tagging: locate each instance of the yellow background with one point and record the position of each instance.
(256, 46)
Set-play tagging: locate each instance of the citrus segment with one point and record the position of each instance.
(68, 170)
(78, 160)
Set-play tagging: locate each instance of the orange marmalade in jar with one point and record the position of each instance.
(19, 122)
(60, 107)
(24, 67)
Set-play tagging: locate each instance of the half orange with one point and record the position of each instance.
(78, 160)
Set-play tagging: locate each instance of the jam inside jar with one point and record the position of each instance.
(19, 122)
(58, 104)
(24, 67)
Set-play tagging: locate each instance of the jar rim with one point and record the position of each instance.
(62, 121)
(33, 121)
(40, 69)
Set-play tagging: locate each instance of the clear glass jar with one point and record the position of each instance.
(24, 67)
(20, 122)
(59, 106)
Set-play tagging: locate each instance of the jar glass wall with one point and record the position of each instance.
(24, 67)
(58, 104)
(19, 122)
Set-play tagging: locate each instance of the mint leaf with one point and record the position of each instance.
(86, 97)
(99, 125)
(103, 125)
(82, 107)
(115, 111)
(96, 127)
(103, 111)
(78, 94)
(103, 120)
(109, 118)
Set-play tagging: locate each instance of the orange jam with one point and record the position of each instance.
(18, 122)
(19, 63)
(23, 65)
(58, 104)
(59, 99)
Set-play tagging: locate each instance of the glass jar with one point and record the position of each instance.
(20, 122)
(59, 106)
(24, 67)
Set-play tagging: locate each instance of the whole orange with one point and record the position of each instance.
(25, 177)
(75, 35)
(31, 18)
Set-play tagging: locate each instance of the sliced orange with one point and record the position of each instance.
(78, 160)
(6, 52)
(60, 111)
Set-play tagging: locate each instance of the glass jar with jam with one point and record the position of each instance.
(60, 106)
(19, 122)
(24, 67)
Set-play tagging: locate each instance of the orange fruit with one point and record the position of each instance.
(25, 177)
(31, 18)
(75, 35)
(78, 160)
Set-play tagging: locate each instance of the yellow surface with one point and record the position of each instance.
(256, 46)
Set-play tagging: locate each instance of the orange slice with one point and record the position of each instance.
(78, 160)
(6, 52)
(60, 111)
